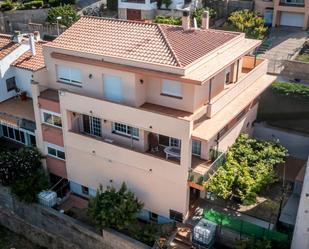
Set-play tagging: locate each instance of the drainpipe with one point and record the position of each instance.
(255, 55)
(237, 71)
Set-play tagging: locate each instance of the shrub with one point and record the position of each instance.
(168, 20)
(115, 209)
(27, 189)
(146, 233)
(16, 165)
(33, 4)
(112, 5)
(67, 12)
(7, 5)
(248, 168)
(294, 90)
(167, 3)
(56, 3)
(248, 22)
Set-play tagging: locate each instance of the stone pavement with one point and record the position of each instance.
(286, 41)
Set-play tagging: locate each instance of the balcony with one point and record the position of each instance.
(250, 73)
(292, 3)
(133, 1)
(198, 175)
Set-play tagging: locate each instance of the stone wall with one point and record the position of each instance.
(49, 228)
(296, 70)
(19, 19)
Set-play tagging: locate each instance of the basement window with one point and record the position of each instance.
(177, 216)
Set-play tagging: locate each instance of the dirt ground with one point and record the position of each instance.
(10, 240)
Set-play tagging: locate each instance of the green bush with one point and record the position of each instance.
(67, 12)
(27, 189)
(249, 22)
(146, 233)
(33, 4)
(168, 20)
(294, 90)
(112, 5)
(248, 168)
(115, 209)
(56, 3)
(198, 12)
(7, 5)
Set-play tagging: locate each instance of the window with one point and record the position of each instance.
(69, 75)
(174, 142)
(92, 125)
(85, 190)
(11, 84)
(13, 134)
(153, 217)
(126, 130)
(171, 88)
(113, 89)
(228, 76)
(51, 118)
(177, 216)
(55, 151)
(196, 147)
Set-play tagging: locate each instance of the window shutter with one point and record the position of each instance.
(172, 88)
(113, 89)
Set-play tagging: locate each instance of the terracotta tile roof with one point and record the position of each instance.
(30, 62)
(147, 42)
(6, 45)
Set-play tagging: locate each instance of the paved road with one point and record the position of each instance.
(286, 41)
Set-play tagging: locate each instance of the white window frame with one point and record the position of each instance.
(127, 130)
(53, 114)
(173, 86)
(227, 73)
(93, 128)
(55, 147)
(14, 135)
(175, 142)
(69, 81)
(200, 147)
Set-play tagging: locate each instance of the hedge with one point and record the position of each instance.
(294, 90)
(33, 4)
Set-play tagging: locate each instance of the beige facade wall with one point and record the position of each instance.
(261, 5)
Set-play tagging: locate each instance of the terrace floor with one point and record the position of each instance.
(13, 109)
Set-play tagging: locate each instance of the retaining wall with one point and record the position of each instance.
(49, 228)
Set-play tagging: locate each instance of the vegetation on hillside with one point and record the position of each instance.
(67, 13)
(304, 53)
(248, 168)
(249, 22)
(294, 90)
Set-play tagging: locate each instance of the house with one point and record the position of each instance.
(147, 9)
(21, 60)
(145, 104)
(285, 12)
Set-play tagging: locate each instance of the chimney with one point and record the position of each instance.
(37, 36)
(17, 37)
(32, 44)
(185, 20)
(205, 20)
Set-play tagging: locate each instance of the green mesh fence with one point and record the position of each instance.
(244, 227)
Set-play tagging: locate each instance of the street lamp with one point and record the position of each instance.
(58, 19)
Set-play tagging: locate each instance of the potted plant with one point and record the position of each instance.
(23, 96)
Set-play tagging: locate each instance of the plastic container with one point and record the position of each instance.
(204, 234)
(47, 198)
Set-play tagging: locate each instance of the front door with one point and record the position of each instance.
(133, 14)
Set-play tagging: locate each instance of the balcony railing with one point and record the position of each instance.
(198, 178)
(294, 3)
(250, 75)
(134, 1)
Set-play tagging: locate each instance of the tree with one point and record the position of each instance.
(112, 5)
(247, 21)
(67, 13)
(15, 165)
(248, 168)
(27, 189)
(115, 209)
(198, 12)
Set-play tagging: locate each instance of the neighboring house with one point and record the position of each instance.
(21, 59)
(144, 104)
(146, 9)
(301, 230)
(285, 12)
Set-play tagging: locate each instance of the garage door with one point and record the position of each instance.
(292, 19)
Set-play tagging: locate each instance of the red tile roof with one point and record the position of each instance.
(30, 62)
(146, 42)
(6, 45)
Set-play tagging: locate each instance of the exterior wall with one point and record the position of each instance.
(77, 189)
(56, 166)
(49, 105)
(23, 80)
(138, 6)
(52, 135)
(261, 5)
(243, 126)
(296, 70)
(301, 230)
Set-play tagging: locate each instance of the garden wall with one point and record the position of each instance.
(296, 70)
(49, 228)
(19, 19)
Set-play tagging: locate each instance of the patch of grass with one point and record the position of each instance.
(304, 53)
(294, 90)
